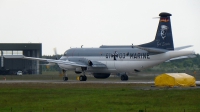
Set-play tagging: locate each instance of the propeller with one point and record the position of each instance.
(60, 71)
(55, 53)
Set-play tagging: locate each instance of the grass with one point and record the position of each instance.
(85, 97)
(88, 97)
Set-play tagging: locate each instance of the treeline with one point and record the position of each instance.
(181, 65)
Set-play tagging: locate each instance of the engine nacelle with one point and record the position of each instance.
(78, 72)
(101, 75)
(90, 63)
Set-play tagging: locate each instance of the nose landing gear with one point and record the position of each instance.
(65, 78)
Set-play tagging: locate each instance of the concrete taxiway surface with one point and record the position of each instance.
(75, 81)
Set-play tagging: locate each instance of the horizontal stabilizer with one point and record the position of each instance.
(183, 47)
(182, 57)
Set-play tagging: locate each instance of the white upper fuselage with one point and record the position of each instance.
(117, 59)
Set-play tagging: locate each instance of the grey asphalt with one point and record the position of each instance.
(75, 81)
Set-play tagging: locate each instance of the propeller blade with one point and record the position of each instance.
(55, 53)
(60, 70)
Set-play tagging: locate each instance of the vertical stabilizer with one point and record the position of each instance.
(163, 39)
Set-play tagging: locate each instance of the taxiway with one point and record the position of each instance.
(75, 81)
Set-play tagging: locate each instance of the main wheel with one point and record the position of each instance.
(65, 78)
(85, 77)
(124, 77)
(82, 78)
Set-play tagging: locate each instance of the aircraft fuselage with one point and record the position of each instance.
(116, 59)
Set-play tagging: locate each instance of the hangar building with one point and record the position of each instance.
(11, 66)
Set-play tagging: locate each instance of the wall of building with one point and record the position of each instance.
(14, 65)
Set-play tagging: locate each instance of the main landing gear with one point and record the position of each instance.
(124, 77)
(65, 78)
(82, 77)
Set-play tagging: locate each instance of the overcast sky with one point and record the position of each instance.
(72, 23)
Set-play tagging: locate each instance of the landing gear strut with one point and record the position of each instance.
(83, 77)
(65, 78)
(124, 77)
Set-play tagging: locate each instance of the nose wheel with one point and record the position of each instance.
(65, 78)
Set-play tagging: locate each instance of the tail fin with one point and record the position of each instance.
(163, 39)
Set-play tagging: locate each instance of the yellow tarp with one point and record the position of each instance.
(175, 79)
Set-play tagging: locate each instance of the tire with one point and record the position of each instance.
(85, 78)
(65, 78)
(124, 77)
(82, 78)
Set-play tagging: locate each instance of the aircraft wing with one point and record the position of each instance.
(98, 64)
(183, 47)
(95, 64)
(65, 62)
(48, 64)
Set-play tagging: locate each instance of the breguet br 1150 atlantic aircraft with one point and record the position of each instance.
(103, 61)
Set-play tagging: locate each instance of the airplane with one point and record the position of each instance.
(103, 61)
